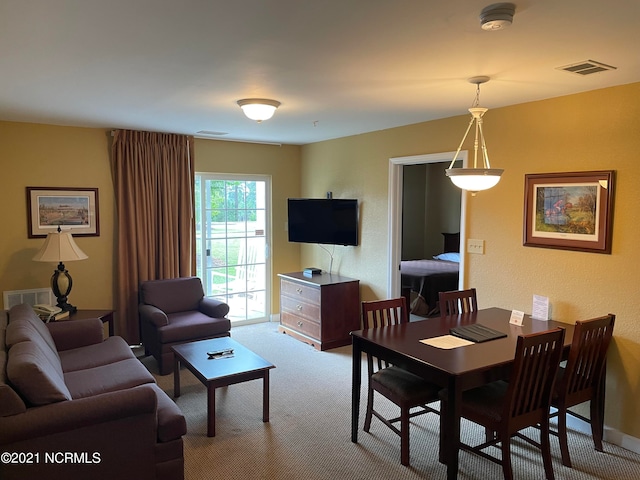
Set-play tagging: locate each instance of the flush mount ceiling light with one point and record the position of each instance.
(258, 109)
(475, 179)
(497, 16)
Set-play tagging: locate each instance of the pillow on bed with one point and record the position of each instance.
(449, 256)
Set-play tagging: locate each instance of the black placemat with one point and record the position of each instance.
(477, 333)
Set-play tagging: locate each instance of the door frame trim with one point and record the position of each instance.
(396, 165)
(268, 180)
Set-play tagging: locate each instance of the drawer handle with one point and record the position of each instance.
(299, 308)
(299, 290)
(300, 324)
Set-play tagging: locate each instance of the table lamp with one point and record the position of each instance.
(60, 247)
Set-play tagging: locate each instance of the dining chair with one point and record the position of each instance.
(505, 408)
(408, 391)
(457, 301)
(582, 379)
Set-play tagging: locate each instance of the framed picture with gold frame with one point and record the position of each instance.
(73, 209)
(569, 211)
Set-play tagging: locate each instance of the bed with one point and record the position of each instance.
(427, 277)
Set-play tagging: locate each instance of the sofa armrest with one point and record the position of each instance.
(213, 307)
(67, 416)
(69, 334)
(153, 315)
(113, 434)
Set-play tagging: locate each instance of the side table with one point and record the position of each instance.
(105, 315)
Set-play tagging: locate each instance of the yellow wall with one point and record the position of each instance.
(282, 163)
(596, 130)
(592, 131)
(48, 156)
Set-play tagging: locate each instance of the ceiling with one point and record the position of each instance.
(339, 67)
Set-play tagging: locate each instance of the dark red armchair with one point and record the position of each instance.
(176, 311)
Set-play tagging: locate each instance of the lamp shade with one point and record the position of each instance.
(474, 179)
(258, 109)
(59, 247)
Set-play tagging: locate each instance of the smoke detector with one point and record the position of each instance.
(497, 16)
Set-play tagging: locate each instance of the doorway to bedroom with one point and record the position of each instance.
(421, 209)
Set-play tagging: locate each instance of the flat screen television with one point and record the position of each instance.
(332, 221)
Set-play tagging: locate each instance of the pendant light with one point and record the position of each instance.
(476, 178)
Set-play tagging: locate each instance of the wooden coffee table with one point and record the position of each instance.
(240, 366)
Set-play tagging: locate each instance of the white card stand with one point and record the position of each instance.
(540, 310)
(516, 318)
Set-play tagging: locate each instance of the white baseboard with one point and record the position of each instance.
(611, 435)
(622, 440)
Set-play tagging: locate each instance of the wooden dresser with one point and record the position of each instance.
(319, 310)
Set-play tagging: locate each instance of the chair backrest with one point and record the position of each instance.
(534, 370)
(458, 301)
(173, 294)
(587, 359)
(380, 313)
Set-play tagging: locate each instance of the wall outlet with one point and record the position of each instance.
(475, 246)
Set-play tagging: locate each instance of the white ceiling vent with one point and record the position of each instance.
(587, 67)
(211, 133)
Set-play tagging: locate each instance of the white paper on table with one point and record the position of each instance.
(540, 309)
(446, 342)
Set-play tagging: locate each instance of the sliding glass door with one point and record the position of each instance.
(232, 221)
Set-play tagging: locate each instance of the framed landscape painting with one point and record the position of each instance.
(73, 209)
(570, 211)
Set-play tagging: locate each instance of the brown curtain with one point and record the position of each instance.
(153, 178)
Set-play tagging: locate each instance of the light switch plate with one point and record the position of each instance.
(475, 245)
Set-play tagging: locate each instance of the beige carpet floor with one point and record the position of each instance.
(309, 433)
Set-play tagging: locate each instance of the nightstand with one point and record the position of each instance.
(105, 315)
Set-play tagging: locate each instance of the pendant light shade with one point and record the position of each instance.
(480, 177)
(258, 109)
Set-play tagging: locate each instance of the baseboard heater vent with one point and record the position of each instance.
(33, 296)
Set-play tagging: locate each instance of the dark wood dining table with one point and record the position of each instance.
(457, 369)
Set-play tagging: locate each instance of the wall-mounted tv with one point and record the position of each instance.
(332, 221)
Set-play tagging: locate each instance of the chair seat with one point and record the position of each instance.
(192, 325)
(405, 384)
(486, 401)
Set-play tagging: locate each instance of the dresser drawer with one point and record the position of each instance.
(302, 325)
(297, 307)
(299, 290)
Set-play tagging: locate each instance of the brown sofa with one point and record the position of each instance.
(73, 405)
(174, 311)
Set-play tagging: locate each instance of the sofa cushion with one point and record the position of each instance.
(34, 376)
(192, 325)
(10, 401)
(173, 295)
(21, 330)
(26, 323)
(112, 350)
(171, 422)
(107, 378)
